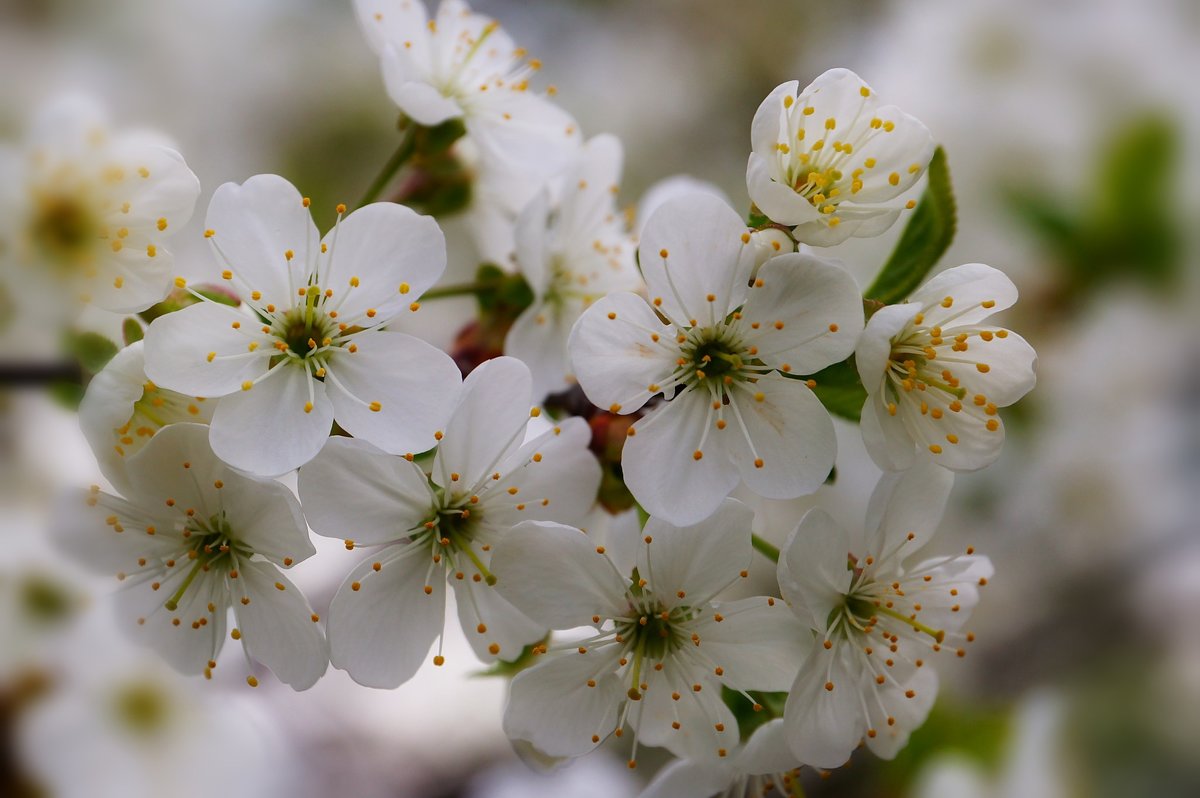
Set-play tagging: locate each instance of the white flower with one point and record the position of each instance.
(118, 723)
(462, 65)
(440, 528)
(669, 188)
(571, 252)
(722, 362)
(122, 411)
(90, 209)
(316, 347)
(660, 648)
(831, 160)
(935, 374)
(762, 764)
(877, 618)
(193, 539)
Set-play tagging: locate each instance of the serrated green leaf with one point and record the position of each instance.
(840, 389)
(92, 350)
(925, 239)
(132, 331)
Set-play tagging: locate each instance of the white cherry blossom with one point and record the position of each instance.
(191, 540)
(311, 344)
(439, 528)
(936, 374)
(463, 65)
(660, 646)
(87, 210)
(832, 161)
(572, 252)
(725, 361)
(122, 410)
(878, 616)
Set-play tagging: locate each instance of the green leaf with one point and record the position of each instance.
(132, 331)
(840, 389)
(92, 350)
(66, 394)
(928, 235)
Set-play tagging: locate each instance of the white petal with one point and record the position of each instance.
(660, 465)
(1010, 363)
(815, 571)
(418, 100)
(539, 338)
(390, 253)
(529, 234)
(536, 137)
(769, 118)
(559, 485)
(265, 515)
(589, 196)
(266, 430)
(551, 705)
(788, 431)
(380, 633)
(759, 643)
(698, 560)
(277, 626)
(684, 779)
(179, 464)
(504, 626)
(618, 349)
(414, 383)
(969, 286)
(178, 348)
(188, 645)
(875, 344)
(131, 280)
(255, 225)
(386, 22)
(554, 574)
(824, 726)
(79, 527)
(698, 712)
(169, 191)
(767, 752)
(852, 223)
(487, 426)
(908, 503)
(353, 490)
(669, 188)
(887, 439)
(809, 313)
(908, 713)
(706, 256)
(776, 200)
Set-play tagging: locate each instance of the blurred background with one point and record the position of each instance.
(1073, 134)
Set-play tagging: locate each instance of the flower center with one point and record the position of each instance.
(652, 630)
(212, 542)
(63, 230)
(716, 358)
(143, 709)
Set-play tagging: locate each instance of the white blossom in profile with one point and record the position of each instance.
(725, 361)
(86, 211)
(191, 540)
(831, 161)
(572, 251)
(439, 529)
(660, 645)
(311, 344)
(122, 410)
(762, 764)
(936, 373)
(462, 65)
(877, 615)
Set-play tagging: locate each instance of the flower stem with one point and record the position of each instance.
(764, 548)
(399, 158)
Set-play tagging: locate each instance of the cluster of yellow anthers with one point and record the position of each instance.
(156, 408)
(925, 365)
(825, 171)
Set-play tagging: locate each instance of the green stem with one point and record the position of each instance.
(764, 548)
(408, 145)
(460, 289)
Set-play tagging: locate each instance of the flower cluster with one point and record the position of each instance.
(708, 351)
